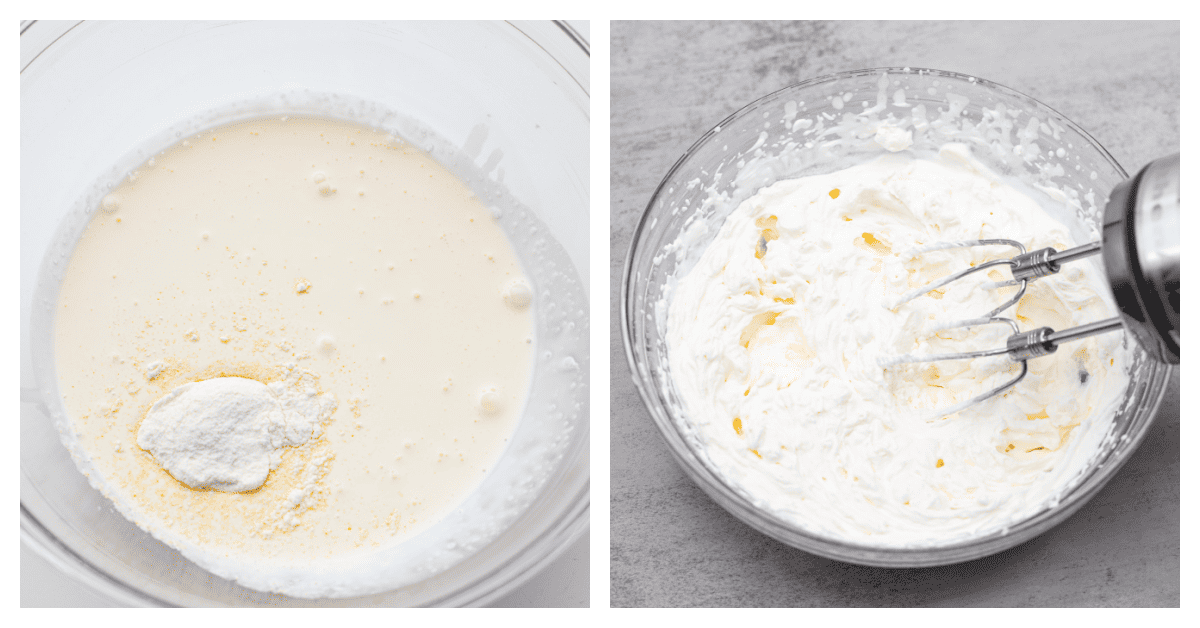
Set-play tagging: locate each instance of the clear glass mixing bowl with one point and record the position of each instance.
(823, 125)
(96, 95)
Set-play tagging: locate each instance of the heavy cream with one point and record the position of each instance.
(268, 249)
(777, 334)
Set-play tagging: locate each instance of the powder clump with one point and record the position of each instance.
(228, 433)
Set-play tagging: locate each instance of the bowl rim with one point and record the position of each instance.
(772, 525)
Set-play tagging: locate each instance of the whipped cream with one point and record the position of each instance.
(777, 334)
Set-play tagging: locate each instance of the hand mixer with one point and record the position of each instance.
(1140, 250)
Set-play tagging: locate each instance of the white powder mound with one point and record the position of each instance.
(227, 433)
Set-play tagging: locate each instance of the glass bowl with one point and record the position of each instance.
(511, 102)
(827, 124)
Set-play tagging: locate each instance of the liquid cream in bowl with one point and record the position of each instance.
(289, 344)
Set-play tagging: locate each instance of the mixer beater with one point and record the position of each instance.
(1140, 251)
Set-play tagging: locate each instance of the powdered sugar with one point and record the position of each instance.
(228, 433)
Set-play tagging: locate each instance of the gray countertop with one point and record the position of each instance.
(671, 82)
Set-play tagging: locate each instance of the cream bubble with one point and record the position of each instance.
(489, 401)
(517, 294)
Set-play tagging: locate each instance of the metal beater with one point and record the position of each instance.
(1140, 249)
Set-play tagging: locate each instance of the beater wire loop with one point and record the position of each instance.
(939, 246)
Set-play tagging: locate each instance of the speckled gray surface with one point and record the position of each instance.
(671, 82)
